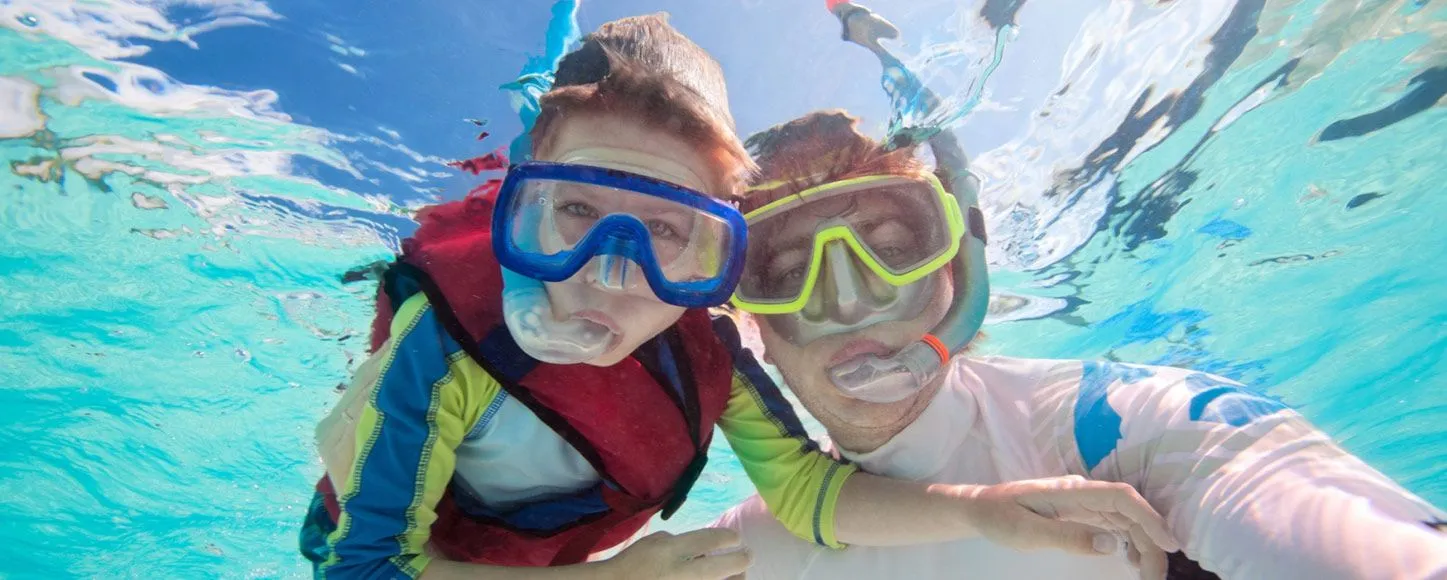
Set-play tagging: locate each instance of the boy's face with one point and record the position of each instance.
(633, 313)
(853, 313)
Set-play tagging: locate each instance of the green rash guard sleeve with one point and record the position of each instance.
(797, 481)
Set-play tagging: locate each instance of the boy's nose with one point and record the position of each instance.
(612, 273)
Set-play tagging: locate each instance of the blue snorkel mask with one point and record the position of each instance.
(552, 219)
(613, 228)
(535, 244)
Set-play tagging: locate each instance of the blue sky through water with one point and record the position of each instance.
(412, 75)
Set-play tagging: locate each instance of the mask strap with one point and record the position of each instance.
(637, 162)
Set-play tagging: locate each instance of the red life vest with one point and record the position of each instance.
(647, 435)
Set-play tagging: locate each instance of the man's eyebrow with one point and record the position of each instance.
(801, 242)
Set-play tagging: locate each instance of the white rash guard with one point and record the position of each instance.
(1250, 489)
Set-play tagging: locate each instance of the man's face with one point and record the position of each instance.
(853, 313)
(632, 312)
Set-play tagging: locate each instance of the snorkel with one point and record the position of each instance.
(526, 309)
(886, 379)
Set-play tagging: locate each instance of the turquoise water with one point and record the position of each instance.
(1248, 188)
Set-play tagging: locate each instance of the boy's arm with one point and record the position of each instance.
(1247, 485)
(406, 435)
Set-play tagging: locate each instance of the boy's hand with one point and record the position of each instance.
(1073, 514)
(683, 557)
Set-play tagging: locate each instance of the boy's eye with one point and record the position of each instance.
(663, 230)
(577, 209)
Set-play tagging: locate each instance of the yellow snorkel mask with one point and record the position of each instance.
(900, 228)
(842, 256)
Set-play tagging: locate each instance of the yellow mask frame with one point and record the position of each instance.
(949, 206)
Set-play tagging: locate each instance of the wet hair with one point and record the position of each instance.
(644, 68)
(817, 148)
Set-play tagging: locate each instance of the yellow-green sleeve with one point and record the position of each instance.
(798, 482)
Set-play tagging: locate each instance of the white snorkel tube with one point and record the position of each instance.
(526, 308)
(888, 379)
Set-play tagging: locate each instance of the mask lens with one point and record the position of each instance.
(552, 217)
(900, 224)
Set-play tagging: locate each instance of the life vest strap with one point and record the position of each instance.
(403, 280)
(454, 327)
(690, 407)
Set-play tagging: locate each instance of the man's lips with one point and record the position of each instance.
(859, 347)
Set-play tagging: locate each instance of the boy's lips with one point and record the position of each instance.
(859, 347)
(598, 317)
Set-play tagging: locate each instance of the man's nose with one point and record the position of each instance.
(847, 292)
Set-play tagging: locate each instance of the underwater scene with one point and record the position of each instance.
(196, 193)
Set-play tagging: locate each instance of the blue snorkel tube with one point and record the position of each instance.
(891, 379)
(526, 308)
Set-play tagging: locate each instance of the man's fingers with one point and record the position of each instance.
(1146, 555)
(659, 537)
(1044, 533)
(1152, 561)
(1123, 499)
(732, 564)
(699, 542)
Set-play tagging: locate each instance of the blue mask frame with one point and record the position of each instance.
(619, 235)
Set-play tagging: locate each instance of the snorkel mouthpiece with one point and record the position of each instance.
(874, 379)
(890, 379)
(529, 317)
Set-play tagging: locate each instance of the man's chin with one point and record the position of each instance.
(830, 403)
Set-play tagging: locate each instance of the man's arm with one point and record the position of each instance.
(1250, 488)
(832, 504)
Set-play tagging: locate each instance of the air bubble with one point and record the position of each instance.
(28, 20)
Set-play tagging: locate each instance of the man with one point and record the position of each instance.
(846, 278)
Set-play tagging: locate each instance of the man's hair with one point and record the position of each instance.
(817, 148)
(644, 68)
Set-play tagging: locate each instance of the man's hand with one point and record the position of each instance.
(1073, 514)
(664, 556)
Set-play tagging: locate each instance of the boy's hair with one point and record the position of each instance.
(817, 148)
(642, 67)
